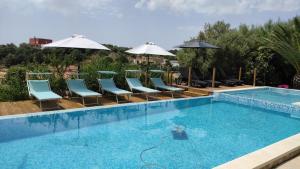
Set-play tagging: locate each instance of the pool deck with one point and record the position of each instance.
(291, 164)
(32, 106)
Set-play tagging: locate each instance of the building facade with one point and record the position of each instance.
(39, 41)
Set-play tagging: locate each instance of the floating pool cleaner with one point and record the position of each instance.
(179, 133)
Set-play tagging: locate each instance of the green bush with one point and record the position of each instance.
(14, 87)
(105, 64)
(58, 85)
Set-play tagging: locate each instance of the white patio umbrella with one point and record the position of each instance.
(148, 49)
(76, 41)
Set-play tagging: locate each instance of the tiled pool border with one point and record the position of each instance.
(240, 89)
(252, 88)
(292, 110)
(99, 107)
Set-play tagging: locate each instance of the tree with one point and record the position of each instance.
(285, 40)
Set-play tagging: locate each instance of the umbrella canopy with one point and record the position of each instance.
(197, 44)
(149, 48)
(76, 41)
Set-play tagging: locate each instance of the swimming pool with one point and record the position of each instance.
(269, 98)
(278, 95)
(186, 133)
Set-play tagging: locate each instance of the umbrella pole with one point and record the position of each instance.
(168, 76)
(190, 76)
(147, 71)
(240, 73)
(213, 78)
(254, 77)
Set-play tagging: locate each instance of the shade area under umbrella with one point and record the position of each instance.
(196, 44)
(76, 41)
(148, 49)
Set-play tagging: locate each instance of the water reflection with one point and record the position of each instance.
(18, 128)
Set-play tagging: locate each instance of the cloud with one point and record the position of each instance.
(220, 6)
(66, 7)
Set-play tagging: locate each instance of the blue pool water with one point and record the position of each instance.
(114, 138)
(277, 95)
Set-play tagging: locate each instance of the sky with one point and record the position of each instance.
(132, 22)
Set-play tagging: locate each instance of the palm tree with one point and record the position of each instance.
(285, 40)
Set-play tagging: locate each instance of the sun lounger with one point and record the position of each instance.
(230, 83)
(78, 87)
(40, 89)
(199, 83)
(108, 85)
(159, 84)
(195, 81)
(237, 81)
(135, 84)
(217, 83)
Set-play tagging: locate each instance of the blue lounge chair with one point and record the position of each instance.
(135, 84)
(40, 89)
(159, 84)
(108, 85)
(78, 87)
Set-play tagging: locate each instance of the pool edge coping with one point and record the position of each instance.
(241, 89)
(252, 88)
(266, 157)
(97, 107)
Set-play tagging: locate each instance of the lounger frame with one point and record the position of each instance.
(82, 97)
(41, 100)
(132, 88)
(165, 88)
(103, 89)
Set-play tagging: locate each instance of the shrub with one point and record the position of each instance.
(105, 64)
(14, 87)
